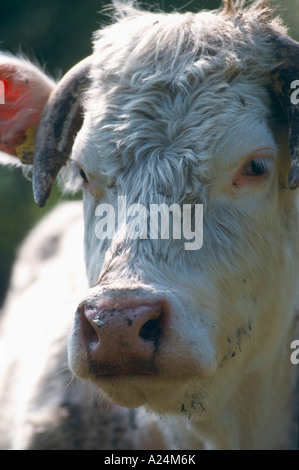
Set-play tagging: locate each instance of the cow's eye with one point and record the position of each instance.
(255, 170)
(255, 167)
(83, 176)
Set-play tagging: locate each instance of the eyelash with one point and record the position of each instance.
(83, 176)
(254, 171)
(257, 167)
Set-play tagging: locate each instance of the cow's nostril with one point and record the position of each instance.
(151, 330)
(88, 328)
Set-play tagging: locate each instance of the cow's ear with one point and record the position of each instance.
(24, 90)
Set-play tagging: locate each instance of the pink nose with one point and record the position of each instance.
(122, 339)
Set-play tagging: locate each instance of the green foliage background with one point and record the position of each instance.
(58, 34)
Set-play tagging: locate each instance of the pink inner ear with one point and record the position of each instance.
(26, 90)
(12, 113)
(11, 94)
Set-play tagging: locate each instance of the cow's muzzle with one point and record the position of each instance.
(122, 338)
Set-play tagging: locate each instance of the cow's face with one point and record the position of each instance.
(187, 111)
(165, 326)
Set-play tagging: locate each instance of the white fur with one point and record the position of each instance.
(171, 116)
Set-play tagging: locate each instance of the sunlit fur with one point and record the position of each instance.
(177, 105)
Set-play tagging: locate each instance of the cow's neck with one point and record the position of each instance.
(259, 414)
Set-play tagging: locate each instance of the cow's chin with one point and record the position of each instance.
(156, 392)
(131, 392)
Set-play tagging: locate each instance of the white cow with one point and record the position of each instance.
(182, 109)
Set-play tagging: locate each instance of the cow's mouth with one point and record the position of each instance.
(126, 371)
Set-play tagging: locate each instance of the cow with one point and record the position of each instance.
(171, 344)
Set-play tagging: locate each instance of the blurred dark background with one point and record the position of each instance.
(58, 34)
